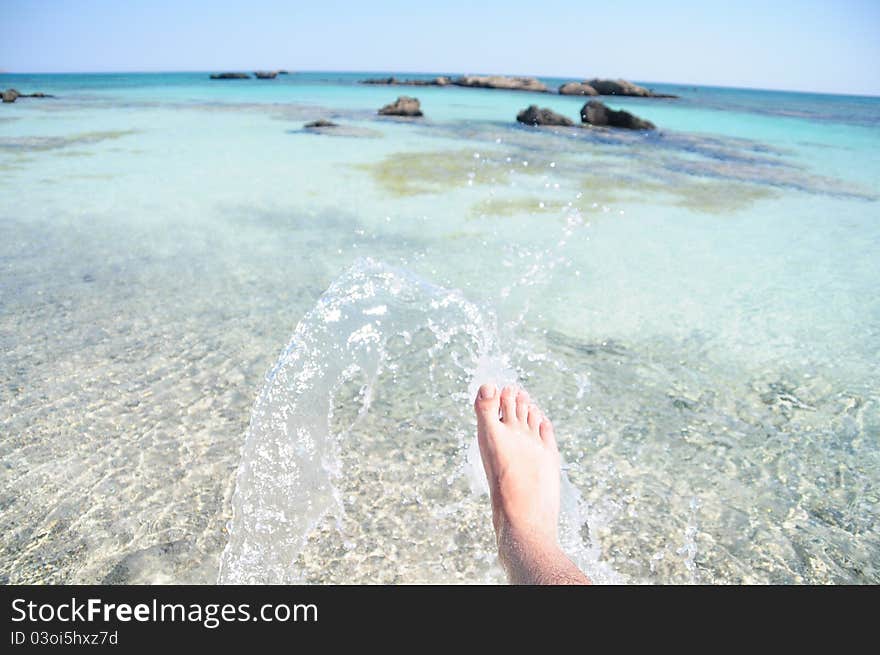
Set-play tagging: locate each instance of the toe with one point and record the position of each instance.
(487, 403)
(535, 416)
(508, 404)
(547, 435)
(522, 406)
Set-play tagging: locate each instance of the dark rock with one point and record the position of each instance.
(283, 72)
(230, 76)
(388, 81)
(542, 116)
(501, 82)
(11, 95)
(596, 113)
(320, 123)
(577, 89)
(624, 88)
(437, 81)
(393, 81)
(403, 106)
(266, 75)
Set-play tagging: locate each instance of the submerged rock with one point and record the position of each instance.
(403, 106)
(577, 89)
(10, 95)
(533, 115)
(325, 128)
(596, 113)
(624, 88)
(320, 123)
(230, 76)
(265, 75)
(501, 82)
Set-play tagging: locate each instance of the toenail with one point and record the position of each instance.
(487, 391)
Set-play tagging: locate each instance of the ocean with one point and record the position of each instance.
(238, 350)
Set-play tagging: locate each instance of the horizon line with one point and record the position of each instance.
(391, 72)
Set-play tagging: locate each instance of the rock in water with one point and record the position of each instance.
(320, 123)
(266, 75)
(230, 76)
(577, 89)
(393, 81)
(533, 115)
(596, 113)
(11, 95)
(501, 82)
(403, 106)
(624, 88)
(389, 81)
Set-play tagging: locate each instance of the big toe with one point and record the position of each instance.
(487, 403)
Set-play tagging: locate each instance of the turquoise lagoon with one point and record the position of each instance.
(696, 308)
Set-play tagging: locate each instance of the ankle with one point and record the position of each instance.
(534, 558)
(518, 542)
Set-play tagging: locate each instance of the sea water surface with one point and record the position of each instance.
(237, 350)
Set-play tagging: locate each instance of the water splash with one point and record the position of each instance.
(360, 463)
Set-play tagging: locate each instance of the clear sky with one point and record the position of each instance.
(812, 45)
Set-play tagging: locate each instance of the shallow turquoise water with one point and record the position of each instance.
(697, 309)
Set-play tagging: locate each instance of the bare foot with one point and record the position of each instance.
(521, 460)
